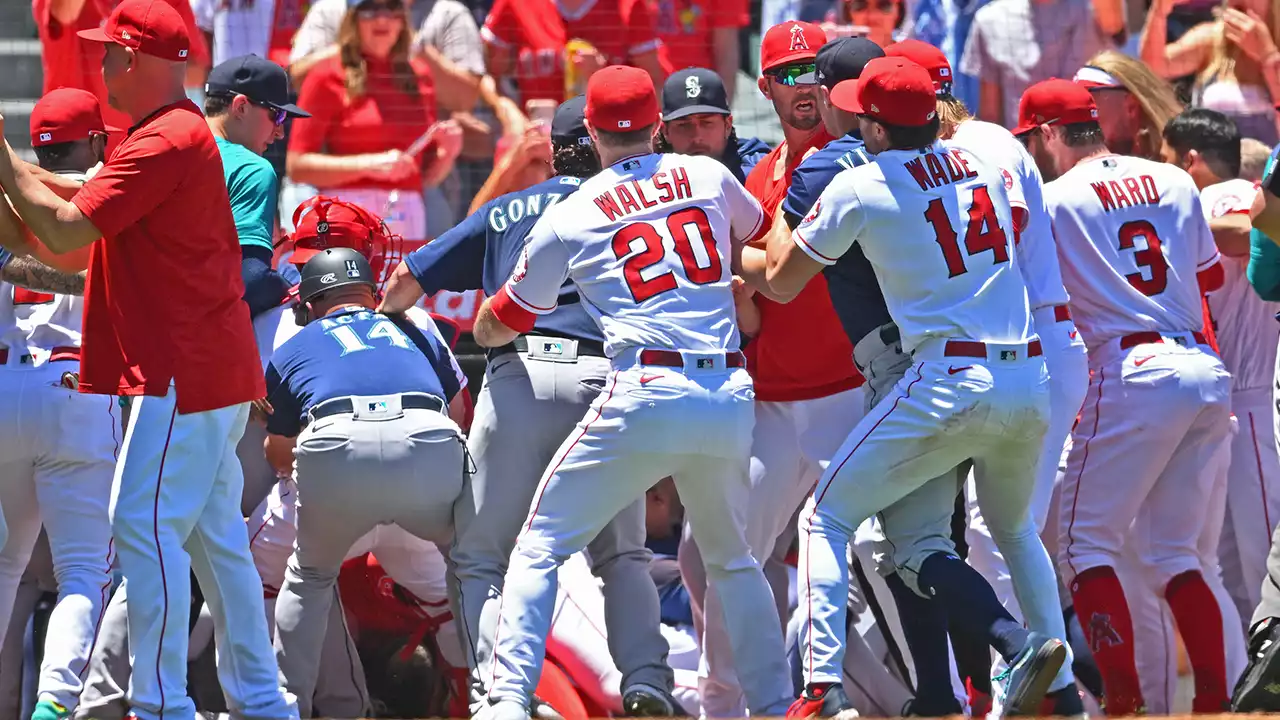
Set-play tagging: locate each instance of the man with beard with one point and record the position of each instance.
(802, 363)
(696, 120)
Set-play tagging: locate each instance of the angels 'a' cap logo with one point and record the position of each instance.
(692, 86)
(798, 41)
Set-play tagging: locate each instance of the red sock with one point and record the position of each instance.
(1104, 615)
(1199, 620)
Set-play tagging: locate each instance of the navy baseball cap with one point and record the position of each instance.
(843, 59)
(695, 91)
(567, 126)
(262, 81)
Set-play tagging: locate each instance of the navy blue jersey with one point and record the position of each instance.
(741, 160)
(855, 291)
(353, 352)
(481, 251)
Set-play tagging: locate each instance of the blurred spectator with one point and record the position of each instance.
(551, 47)
(448, 41)
(1253, 159)
(876, 20)
(1234, 59)
(524, 162)
(1016, 43)
(249, 27)
(71, 61)
(702, 33)
(371, 105)
(696, 121)
(1134, 104)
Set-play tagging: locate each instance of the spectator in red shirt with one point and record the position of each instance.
(527, 39)
(71, 61)
(164, 324)
(373, 104)
(702, 33)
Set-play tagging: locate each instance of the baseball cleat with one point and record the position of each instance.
(1258, 689)
(822, 700)
(1020, 688)
(641, 700)
(49, 710)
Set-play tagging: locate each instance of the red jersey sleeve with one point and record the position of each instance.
(728, 14)
(642, 35)
(323, 95)
(501, 26)
(143, 172)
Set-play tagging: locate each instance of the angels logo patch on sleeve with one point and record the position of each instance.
(1008, 179)
(813, 214)
(522, 267)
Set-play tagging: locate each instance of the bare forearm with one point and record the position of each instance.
(1231, 234)
(324, 170)
(489, 331)
(724, 45)
(55, 222)
(498, 183)
(32, 274)
(457, 89)
(1152, 46)
(299, 68)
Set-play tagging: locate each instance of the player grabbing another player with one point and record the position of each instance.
(978, 387)
(59, 447)
(647, 244)
(1133, 242)
(354, 394)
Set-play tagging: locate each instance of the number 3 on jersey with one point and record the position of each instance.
(698, 256)
(981, 234)
(1149, 257)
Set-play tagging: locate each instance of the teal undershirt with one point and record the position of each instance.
(251, 184)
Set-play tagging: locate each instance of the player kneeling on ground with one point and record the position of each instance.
(364, 397)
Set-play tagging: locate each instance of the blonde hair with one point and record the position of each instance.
(1230, 62)
(1154, 95)
(357, 69)
(1253, 159)
(951, 112)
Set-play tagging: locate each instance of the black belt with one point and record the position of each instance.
(589, 348)
(343, 406)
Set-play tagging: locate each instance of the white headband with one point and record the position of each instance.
(1091, 76)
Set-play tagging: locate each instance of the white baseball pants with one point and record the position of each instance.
(693, 424)
(1253, 499)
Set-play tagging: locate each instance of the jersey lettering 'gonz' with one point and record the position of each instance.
(631, 235)
(909, 211)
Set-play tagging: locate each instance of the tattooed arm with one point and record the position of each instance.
(30, 273)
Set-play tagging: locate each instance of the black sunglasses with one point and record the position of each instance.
(278, 116)
(790, 75)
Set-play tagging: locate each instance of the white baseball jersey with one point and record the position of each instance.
(1131, 237)
(276, 326)
(937, 227)
(647, 243)
(1036, 255)
(31, 322)
(1246, 326)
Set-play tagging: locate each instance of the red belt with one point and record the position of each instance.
(58, 353)
(975, 349)
(1146, 338)
(1061, 313)
(671, 358)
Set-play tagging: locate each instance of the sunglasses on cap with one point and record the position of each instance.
(374, 10)
(790, 75)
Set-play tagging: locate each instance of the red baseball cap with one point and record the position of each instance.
(1054, 101)
(928, 57)
(65, 115)
(151, 27)
(790, 42)
(893, 90)
(621, 98)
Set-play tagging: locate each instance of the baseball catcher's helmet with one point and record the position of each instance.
(334, 268)
(324, 222)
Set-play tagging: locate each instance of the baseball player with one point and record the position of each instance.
(978, 388)
(1206, 144)
(354, 394)
(553, 373)
(165, 256)
(696, 120)
(801, 364)
(646, 243)
(1133, 242)
(59, 446)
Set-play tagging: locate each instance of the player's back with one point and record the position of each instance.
(936, 226)
(1131, 236)
(648, 242)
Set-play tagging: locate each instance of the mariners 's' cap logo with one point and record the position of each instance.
(692, 86)
(798, 41)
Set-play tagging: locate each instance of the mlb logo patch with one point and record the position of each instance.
(706, 363)
(553, 348)
(379, 406)
(182, 53)
(1008, 354)
(46, 137)
(624, 123)
(944, 72)
(631, 165)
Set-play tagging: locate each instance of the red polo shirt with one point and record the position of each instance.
(71, 61)
(801, 351)
(163, 299)
(384, 118)
(685, 27)
(537, 30)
